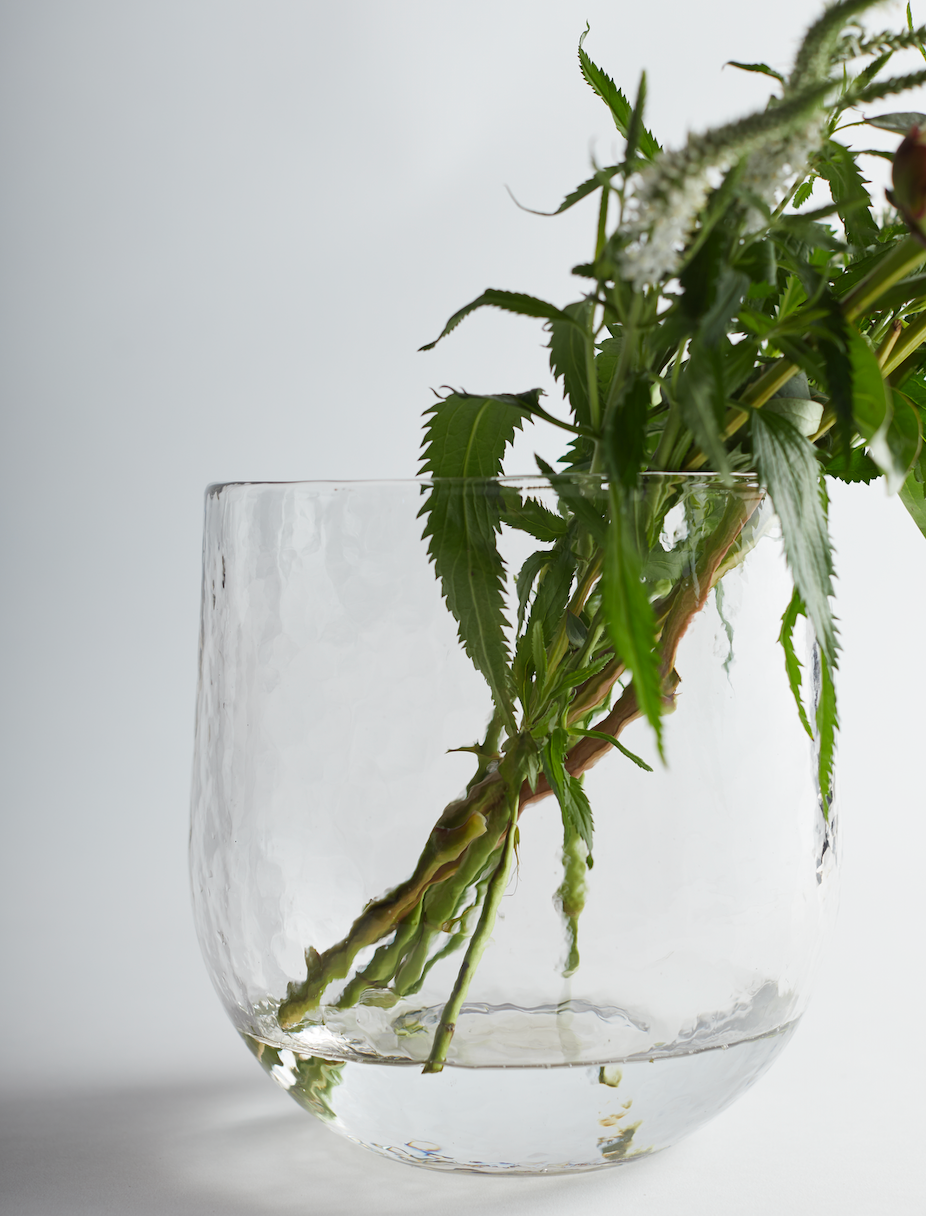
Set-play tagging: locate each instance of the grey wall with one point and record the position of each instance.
(227, 227)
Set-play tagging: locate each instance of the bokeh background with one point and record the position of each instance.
(227, 226)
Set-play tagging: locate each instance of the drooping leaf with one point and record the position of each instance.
(762, 68)
(621, 111)
(589, 186)
(568, 346)
(787, 465)
(572, 799)
(827, 722)
(597, 734)
(466, 438)
(508, 301)
(629, 614)
(793, 665)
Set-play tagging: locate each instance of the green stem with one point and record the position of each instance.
(602, 221)
(907, 342)
(480, 939)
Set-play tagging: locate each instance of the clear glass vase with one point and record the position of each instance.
(334, 700)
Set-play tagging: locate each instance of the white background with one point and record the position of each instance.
(227, 227)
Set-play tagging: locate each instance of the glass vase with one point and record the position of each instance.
(611, 1013)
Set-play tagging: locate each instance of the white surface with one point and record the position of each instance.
(227, 228)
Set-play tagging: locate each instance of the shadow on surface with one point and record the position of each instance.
(233, 1150)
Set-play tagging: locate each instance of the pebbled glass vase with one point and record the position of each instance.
(606, 1019)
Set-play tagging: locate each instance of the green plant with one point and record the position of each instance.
(721, 330)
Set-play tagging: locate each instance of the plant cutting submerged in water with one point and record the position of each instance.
(727, 345)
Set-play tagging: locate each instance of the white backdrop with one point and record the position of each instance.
(227, 227)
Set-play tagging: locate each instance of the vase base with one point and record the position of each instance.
(524, 1120)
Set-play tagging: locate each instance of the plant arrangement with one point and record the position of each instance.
(723, 333)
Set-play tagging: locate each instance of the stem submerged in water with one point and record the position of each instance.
(480, 939)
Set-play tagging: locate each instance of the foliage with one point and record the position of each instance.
(723, 339)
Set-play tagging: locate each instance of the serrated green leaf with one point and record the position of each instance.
(466, 437)
(858, 468)
(553, 591)
(621, 111)
(568, 346)
(569, 492)
(788, 467)
(802, 193)
(761, 68)
(629, 614)
(531, 516)
(793, 665)
(850, 193)
(573, 801)
(635, 129)
(508, 301)
(526, 578)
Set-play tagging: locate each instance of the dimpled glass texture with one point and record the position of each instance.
(333, 692)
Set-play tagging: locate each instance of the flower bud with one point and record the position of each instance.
(909, 181)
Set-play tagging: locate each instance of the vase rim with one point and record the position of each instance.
(526, 480)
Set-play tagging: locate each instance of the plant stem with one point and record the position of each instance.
(477, 945)
(907, 342)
